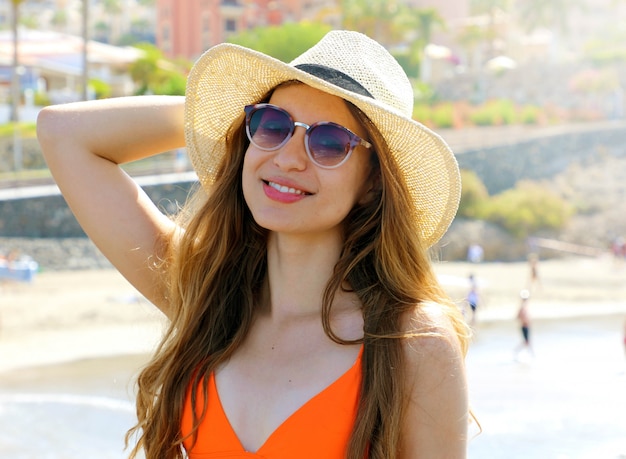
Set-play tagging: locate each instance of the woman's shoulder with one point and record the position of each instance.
(434, 331)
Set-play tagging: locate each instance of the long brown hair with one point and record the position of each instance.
(214, 273)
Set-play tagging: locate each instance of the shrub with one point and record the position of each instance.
(527, 208)
(41, 99)
(424, 93)
(483, 116)
(101, 89)
(27, 129)
(422, 113)
(529, 114)
(506, 108)
(173, 84)
(494, 113)
(443, 115)
(474, 196)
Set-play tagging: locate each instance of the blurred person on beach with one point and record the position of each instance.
(306, 318)
(523, 318)
(473, 298)
(624, 337)
(618, 250)
(475, 253)
(534, 281)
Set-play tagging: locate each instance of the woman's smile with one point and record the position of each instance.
(283, 193)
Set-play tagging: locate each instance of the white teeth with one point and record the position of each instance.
(284, 189)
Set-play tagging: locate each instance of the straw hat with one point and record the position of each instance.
(346, 64)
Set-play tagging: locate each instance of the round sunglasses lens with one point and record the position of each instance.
(269, 127)
(329, 144)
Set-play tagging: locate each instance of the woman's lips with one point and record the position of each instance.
(283, 193)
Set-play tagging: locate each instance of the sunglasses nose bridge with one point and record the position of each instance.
(302, 125)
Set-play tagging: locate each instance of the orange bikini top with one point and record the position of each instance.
(320, 428)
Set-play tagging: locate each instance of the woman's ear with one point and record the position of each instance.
(373, 190)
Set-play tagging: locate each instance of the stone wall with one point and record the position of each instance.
(31, 157)
(500, 167)
(44, 229)
(50, 217)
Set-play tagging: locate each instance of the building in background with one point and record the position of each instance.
(187, 29)
(51, 63)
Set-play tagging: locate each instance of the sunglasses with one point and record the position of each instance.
(327, 144)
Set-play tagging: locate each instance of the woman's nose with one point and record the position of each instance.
(292, 155)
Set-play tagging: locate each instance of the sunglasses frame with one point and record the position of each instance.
(354, 140)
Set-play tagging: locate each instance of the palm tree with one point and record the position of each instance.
(491, 9)
(15, 80)
(424, 21)
(470, 38)
(85, 54)
(553, 14)
(427, 19)
(376, 18)
(113, 10)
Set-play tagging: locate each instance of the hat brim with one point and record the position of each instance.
(227, 77)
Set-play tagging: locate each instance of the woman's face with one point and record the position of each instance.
(288, 193)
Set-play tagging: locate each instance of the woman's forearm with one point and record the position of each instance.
(120, 130)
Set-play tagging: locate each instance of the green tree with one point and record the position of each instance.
(156, 75)
(378, 19)
(113, 12)
(470, 38)
(393, 23)
(424, 21)
(284, 42)
(101, 89)
(112, 6)
(59, 19)
(491, 8)
(102, 31)
(552, 14)
(15, 80)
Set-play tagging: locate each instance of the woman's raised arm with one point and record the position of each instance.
(84, 143)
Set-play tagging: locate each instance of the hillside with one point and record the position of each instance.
(599, 193)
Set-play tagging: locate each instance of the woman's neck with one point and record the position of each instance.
(298, 271)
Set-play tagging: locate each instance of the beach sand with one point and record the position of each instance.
(71, 315)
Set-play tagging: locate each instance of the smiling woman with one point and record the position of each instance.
(305, 316)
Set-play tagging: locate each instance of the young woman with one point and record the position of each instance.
(306, 320)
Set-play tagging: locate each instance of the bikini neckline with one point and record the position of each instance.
(212, 389)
